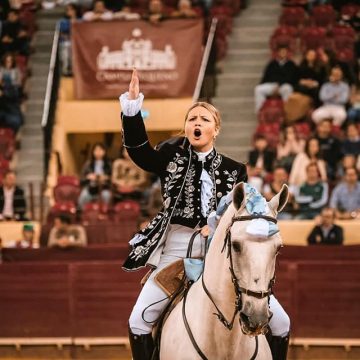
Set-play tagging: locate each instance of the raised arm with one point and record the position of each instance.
(135, 138)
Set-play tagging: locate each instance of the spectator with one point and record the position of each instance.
(280, 177)
(27, 240)
(72, 14)
(334, 94)
(115, 5)
(155, 13)
(65, 235)
(348, 161)
(262, 158)
(14, 37)
(12, 200)
(301, 161)
(184, 10)
(330, 146)
(280, 76)
(326, 233)
(99, 12)
(312, 195)
(290, 145)
(354, 111)
(10, 76)
(351, 145)
(129, 179)
(345, 198)
(95, 177)
(311, 75)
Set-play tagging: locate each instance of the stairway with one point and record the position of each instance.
(245, 61)
(30, 163)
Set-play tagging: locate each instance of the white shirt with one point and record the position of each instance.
(8, 210)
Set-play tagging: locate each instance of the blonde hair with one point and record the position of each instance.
(211, 108)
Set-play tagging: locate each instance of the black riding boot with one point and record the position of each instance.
(278, 346)
(142, 346)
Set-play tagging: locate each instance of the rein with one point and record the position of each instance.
(237, 288)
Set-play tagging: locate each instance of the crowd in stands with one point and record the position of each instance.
(307, 104)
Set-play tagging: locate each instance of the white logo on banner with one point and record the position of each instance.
(137, 53)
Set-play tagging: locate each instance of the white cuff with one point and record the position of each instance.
(131, 107)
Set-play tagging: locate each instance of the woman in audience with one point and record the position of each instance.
(184, 10)
(99, 12)
(290, 145)
(192, 188)
(10, 75)
(95, 177)
(311, 76)
(301, 161)
(351, 145)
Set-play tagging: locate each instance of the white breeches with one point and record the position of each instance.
(152, 300)
(335, 112)
(262, 91)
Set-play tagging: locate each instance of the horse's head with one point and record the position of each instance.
(253, 243)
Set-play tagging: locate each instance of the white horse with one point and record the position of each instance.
(239, 297)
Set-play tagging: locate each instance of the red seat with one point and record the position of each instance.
(285, 30)
(66, 192)
(270, 132)
(7, 143)
(271, 112)
(303, 130)
(323, 15)
(313, 37)
(125, 210)
(68, 180)
(346, 55)
(343, 30)
(293, 16)
(294, 2)
(62, 208)
(95, 212)
(350, 10)
(288, 41)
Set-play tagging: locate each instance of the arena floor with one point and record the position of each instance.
(122, 353)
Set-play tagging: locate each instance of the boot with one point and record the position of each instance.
(278, 346)
(142, 346)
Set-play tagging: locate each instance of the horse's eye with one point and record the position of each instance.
(236, 246)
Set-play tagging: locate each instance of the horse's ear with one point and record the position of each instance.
(239, 196)
(279, 201)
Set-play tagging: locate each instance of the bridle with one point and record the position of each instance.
(237, 288)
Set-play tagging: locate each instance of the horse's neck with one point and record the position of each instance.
(217, 276)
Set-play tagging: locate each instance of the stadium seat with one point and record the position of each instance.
(349, 10)
(126, 210)
(62, 208)
(285, 30)
(94, 213)
(346, 55)
(323, 15)
(271, 112)
(293, 16)
(313, 37)
(7, 143)
(270, 132)
(4, 166)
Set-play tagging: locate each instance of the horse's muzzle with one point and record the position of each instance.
(253, 325)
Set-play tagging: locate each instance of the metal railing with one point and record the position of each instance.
(52, 87)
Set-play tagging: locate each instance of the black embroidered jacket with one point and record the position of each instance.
(179, 171)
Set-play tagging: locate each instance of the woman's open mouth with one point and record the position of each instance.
(197, 133)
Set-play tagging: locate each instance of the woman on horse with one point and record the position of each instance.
(194, 177)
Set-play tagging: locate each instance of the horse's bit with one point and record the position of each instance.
(238, 289)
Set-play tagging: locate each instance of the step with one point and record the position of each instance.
(56, 13)
(247, 44)
(43, 37)
(29, 130)
(241, 91)
(40, 58)
(34, 106)
(33, 119)
(37, 93)
(235, 66)
(41, 70)
(46, 23)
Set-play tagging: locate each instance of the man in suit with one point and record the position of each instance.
(327, 233)
(12, 200)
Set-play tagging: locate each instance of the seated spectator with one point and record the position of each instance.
(345, 198)
(184, 10)
(280, 76)
(10, 112)
(280, 177)
(12, 199)
(95, 177)
(27, 240)
(10, 76)
(326, 233)
(354, 110)
(155, 13)
(348, 161)
(72, 14)
(351, 145)
(301, 161)
(334, 94)
(312, 195)
(64, 235)
(129, 179)
(330, 146)
(262, 158)
(311, 76)
(99, 12)
(14, 37)
(290, 145)
(116, 5)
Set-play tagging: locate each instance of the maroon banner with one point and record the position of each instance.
(167, 56)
